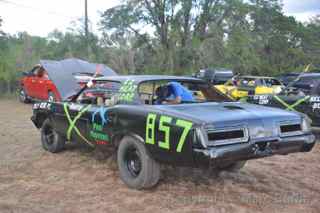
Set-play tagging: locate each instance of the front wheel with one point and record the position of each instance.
(137, 169)
(51, 140)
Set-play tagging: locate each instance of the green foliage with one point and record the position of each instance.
(1, 33)
(21, 52)
(176, 37)
(182, 36)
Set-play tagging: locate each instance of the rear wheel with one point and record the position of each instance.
(23, 97)
(137, 169)
(51, 140)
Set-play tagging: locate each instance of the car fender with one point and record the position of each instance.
(38, 118)
(41, 111)
(117, 137)
(132, 121)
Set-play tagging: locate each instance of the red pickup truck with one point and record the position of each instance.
(57, 80)
(36, 85)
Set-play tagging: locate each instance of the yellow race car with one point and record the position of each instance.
(242, 86)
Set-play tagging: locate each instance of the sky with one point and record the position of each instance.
(303, 10)
(39, 17)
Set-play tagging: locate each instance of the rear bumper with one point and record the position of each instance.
(214, 157)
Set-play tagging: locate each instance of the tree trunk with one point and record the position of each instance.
(8, 87)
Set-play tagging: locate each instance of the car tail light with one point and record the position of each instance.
(225, 136)
(290, 128)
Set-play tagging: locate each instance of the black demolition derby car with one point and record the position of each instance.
(209, 132)
(307, 104)
(303, 96)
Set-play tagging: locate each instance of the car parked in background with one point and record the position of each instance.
(54, 80)
(288, 78)
(36, 85)
(243, 86)
(308, 83)
(302, 96)
(215, 76)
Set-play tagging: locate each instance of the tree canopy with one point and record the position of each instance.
(176, 37)
(1, 32)
(181, 36)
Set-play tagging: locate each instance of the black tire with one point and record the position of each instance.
(137, 169)
(50, 139)
(23, 97)
(234, 167)
(51, 97)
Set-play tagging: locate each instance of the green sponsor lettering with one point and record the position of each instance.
(127, 91)
(97, 133)
(99, 136)
(97, 127)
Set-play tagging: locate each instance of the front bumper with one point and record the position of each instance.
(215, 156)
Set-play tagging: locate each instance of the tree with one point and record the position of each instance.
(277, 38)
(176, 37)
(73, 43)
(1, 32)
(310, 42)
(179, 27)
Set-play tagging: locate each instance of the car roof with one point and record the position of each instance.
(310, 74)
(257, 77)
(292, 73)
(141, 78)
(218, 70)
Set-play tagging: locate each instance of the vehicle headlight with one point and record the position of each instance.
(306, 124)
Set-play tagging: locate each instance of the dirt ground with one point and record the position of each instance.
(76, 180)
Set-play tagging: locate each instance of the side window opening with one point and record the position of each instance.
(197, 93)
(272, 82)
(146, 91)
(201, 92)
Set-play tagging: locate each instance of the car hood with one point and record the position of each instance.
(63, 74)
(228, 112)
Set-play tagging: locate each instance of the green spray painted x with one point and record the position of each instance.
(72, 123)
(291, 107)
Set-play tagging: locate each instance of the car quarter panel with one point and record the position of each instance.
(168, 138)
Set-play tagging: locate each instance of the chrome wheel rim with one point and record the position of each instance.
(133, 161)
